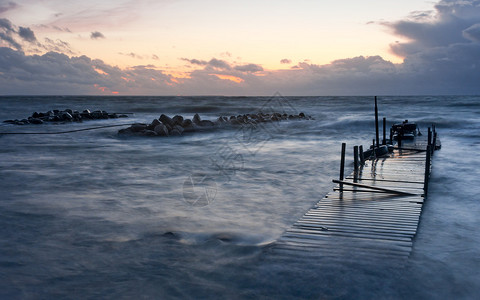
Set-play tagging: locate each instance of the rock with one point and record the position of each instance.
(177, 120)
(68, 110)
(301, 115)
(166, 120)
(67, 116)
(155, 122)
(35, 121)
(161, 130)
(147, 132)
(206, 123)
(175, 132)
(196, 119)
(138, 127)
(178, 128)
(123, 116)
(125, 131)
(35, 115)
(188, 125)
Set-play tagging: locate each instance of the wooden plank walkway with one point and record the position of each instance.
(355, 224)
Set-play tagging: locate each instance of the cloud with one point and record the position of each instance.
(8, 33)
(442, 56)
(96, 35)
(57, 46)
(213, 63)
(27, 34)
(58, 73)
(249, 68)
(65, 29)
(219, 64)
(286, 61)
(195, 61)
(8, 6)
(473, 33)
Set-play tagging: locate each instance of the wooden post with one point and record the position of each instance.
(355, 163)
(427, 171)
(391, 135)
(342, 165)
(376, 123)
(430, 138)
(374, 152)
(434, 143)
(362, 158)
(384, 131)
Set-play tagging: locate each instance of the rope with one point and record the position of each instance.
(68, 131)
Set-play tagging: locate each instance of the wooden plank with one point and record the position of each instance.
(365, 221)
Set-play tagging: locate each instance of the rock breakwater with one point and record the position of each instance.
(67, 115)
(178, 125)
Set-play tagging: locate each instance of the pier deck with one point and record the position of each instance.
(359, 224)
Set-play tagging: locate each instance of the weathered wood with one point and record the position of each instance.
(371, 187)
(377, 139)
(375, 218)
(342, 161)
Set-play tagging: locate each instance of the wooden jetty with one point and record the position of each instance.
(371, 215)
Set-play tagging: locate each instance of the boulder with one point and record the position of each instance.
(138, 127)
(35, 121)
(206, 123)
(175, 132)
(196, 119)
(177, 120)
(166, 120)
(178, 128)
(147, 132)
(67, 116)
(161, 130)
(125, 131)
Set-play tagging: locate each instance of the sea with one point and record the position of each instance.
(96, 215)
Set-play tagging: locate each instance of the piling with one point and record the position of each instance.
(342, 164)
(427, 170)
(376, 123)
(355, 163)
(384, 131)
(362, 158)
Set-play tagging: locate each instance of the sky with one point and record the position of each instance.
(213, 47)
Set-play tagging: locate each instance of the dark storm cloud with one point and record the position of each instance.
(7, 33)
(446, 27)
(249, 68)
(6, 25)
(441, 57)
(96, 35)
(58, 73)
(27, 34)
